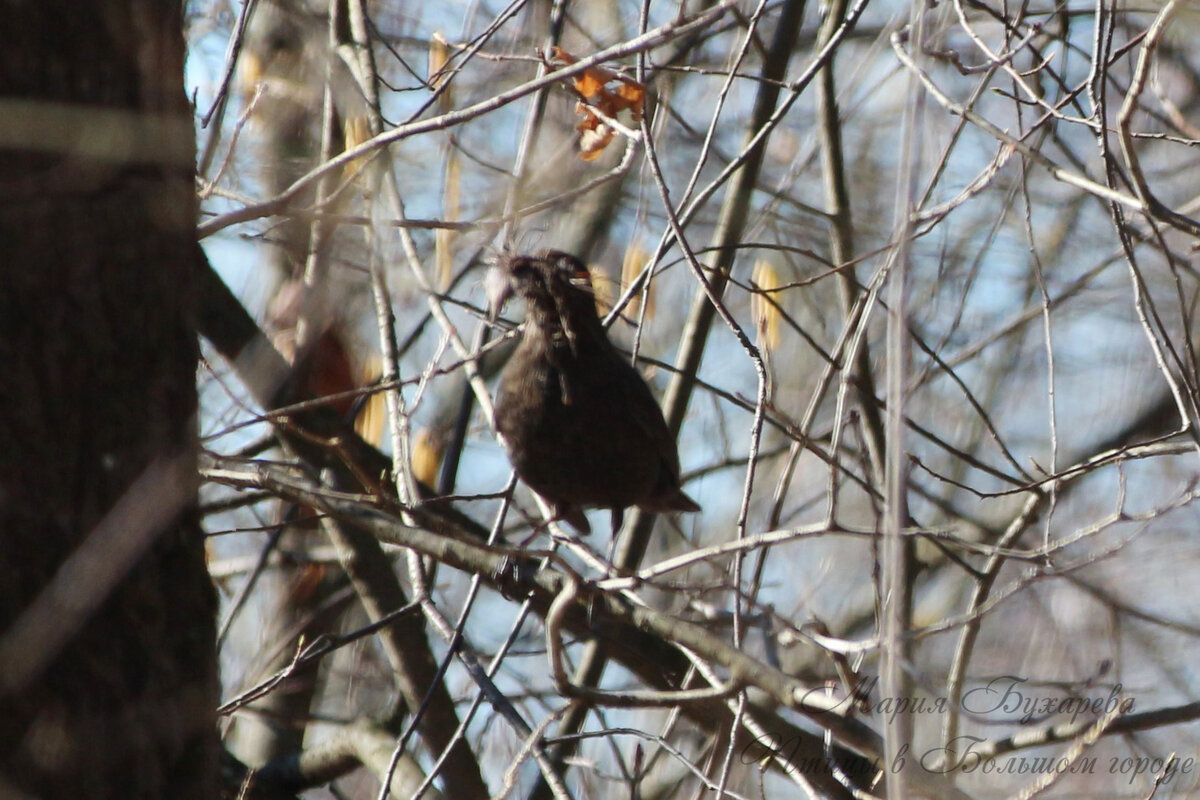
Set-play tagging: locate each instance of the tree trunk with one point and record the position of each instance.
(108, 679)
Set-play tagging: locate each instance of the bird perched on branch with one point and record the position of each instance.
(581, 427)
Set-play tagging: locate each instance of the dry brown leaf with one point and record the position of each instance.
(590, 83)
(306, 582)
(607, 92)
(594, 136)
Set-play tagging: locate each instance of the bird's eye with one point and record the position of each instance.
(576, 272)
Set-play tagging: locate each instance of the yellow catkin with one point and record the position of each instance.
(443, 243)
(371, 417)
(426, 457)
(632, 265)
(764, 312)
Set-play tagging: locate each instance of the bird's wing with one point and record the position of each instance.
(646, 414)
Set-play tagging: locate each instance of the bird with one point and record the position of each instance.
(580, 426)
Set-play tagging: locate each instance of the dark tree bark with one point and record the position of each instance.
(108, 679)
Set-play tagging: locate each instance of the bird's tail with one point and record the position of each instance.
(676, 501)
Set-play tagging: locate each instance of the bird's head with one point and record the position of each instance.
(556, 288)
(548, 275)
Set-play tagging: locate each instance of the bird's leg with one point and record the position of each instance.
(537, 530)
(572, 515)
(574, 518)
(618, 517)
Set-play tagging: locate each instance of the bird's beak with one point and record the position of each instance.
(498, 286)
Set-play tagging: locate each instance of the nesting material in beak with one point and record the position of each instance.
(497, 285)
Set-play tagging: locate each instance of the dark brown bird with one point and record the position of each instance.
(581, 427)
